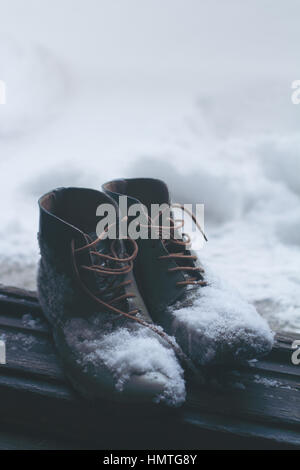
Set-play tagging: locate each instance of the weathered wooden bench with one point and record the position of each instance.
(254, 405)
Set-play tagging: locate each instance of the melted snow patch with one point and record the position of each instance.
(30, 321)
(273, 383)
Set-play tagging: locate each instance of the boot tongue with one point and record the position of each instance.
(105, 282)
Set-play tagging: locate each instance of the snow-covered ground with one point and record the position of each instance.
(197, 93)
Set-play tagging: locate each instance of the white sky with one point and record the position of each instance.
(194, 36)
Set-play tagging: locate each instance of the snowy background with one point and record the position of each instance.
(194, 91)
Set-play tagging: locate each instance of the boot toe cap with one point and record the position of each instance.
(154, 387)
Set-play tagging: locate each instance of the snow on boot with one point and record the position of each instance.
(102, 330)
(209, 320)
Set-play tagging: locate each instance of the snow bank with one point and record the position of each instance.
(35, 95)
(249, 184)
(35, 86)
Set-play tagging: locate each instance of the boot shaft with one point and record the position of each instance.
(157, 284)
(68, 219)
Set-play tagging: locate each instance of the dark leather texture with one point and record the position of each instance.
(156, 284)
(59, 211)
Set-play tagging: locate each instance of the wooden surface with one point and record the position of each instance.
(251, 406)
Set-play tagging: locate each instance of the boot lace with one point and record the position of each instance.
(184, 241)
(124, 266)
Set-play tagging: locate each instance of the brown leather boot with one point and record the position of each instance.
(87, 289)
(209, 320)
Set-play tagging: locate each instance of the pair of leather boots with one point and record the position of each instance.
(132, 319)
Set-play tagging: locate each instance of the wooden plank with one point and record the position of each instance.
(16, 439)
(250, 398)
(25, 343)
(256, 403)
(272, 367)
(236, 427)
(34, 365)
(16, 306)
(17, 292)
(18, 324)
